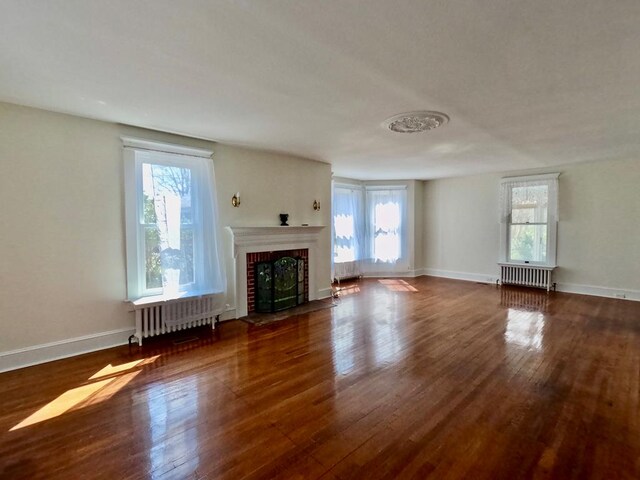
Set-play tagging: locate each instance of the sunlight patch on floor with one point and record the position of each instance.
(110, 370)
(396, 285)
(90, 393)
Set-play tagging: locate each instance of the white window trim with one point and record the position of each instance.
(552, 223)
(531, 178)
(132, 187)
(385, 187)
(141, 144)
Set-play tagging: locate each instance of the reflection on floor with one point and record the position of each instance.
(521, 298)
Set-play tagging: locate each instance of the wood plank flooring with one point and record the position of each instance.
(416, 378)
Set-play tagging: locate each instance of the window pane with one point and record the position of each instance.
(528, 243)
(186, 251)
(168, 215)
(386, 209)
(386, 246)
(523, 215)
(152, 257)
(178, 261)
(149, 213)
(345, 238)
(162, 185)
(347, 224)
(529, 204)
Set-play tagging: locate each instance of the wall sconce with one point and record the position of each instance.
(235, 200)
(316, 205)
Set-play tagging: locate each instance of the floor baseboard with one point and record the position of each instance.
(47, 352)
(597, 291)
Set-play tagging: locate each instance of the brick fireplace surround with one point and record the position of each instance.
(275, 241)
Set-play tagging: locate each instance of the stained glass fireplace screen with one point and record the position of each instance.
(279, 284)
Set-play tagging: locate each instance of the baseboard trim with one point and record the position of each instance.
(596, 291)
(325, 293)
(466, 276)
(405, 274)
(579, 289)
(48, 352)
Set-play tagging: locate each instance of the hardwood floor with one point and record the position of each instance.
(416, 378)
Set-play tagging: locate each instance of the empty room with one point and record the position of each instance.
(330, 239)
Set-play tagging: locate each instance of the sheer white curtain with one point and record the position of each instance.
(214, 273)
(348, 231)
(173, 240)
(542, 193)
(387, 224)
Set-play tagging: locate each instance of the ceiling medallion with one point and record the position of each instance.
(413, 122)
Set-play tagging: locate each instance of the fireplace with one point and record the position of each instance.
(279, 284)
(256, 244)
(262, 269)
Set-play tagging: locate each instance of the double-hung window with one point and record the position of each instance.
(529, 219)
(348, 223)
(172, 242)
(348, 230)
(387, 223)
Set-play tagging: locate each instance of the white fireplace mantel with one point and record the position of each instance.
(271, 239)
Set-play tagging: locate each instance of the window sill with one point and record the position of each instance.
(530, 265)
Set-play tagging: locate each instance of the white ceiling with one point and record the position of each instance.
(526, 83)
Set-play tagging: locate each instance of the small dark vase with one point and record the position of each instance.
(284, 217)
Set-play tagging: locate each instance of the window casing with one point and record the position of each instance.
(529, 219)
(171, 221)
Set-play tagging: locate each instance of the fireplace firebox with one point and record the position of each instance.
(280, 284)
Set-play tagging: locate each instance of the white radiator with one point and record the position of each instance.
(155, 317)
(526, 275)
(346, 270)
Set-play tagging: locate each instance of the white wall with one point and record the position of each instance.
(62, 225)
(598, 232)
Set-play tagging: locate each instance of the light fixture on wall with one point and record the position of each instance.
(414, 122)
(316, 205)
(235, 200)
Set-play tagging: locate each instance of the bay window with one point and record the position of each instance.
(369, 228)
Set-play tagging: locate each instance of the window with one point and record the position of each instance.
(348, 230)
(347, 224)
(387, 219)
(529, 216)
(369, 227)
(172, 244)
